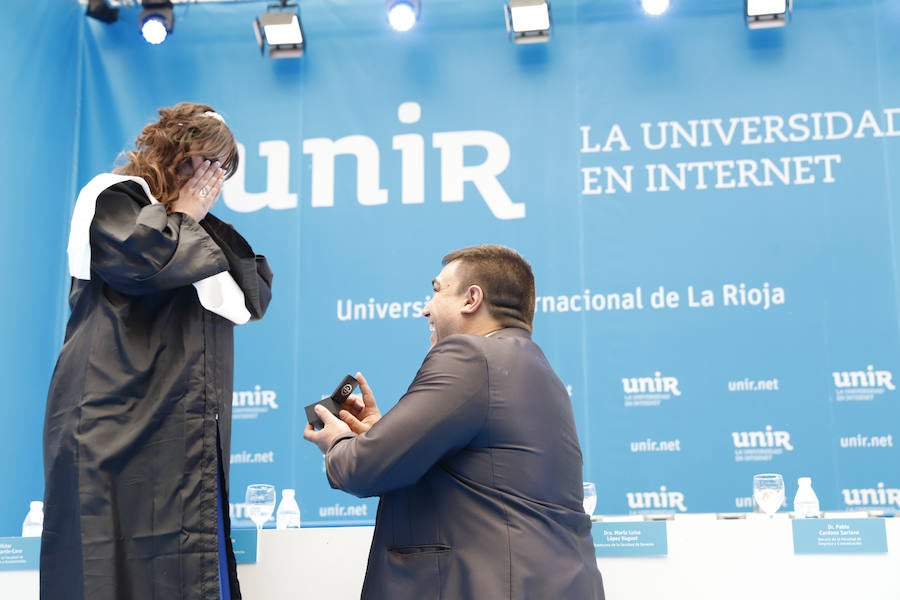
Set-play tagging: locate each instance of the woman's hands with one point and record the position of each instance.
(201, 191)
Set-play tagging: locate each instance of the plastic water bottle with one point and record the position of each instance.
(288, 514)
(806, 503)
(34, 520)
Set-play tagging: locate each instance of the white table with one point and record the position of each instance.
(751, 559)
(708, 559)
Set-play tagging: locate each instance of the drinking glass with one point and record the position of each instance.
(590, 497)
(260, 503)
(768, 492)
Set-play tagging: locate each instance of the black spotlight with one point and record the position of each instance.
(100, 10)
(156, 20)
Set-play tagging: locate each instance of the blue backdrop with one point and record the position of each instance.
(710, 213)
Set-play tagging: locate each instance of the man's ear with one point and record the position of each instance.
(474, 299)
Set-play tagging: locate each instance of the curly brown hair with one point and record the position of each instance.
(163, 148)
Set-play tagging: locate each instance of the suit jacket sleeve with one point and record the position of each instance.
(139, 249)
(445, 407)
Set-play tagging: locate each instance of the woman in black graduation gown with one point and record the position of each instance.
(139, 409)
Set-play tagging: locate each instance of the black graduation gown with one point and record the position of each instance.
(142, 386)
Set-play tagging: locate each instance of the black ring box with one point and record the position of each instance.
(333, 402)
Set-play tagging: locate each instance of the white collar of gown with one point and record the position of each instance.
(218, 293)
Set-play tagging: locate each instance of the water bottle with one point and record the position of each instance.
(34, 520)
(806, 503)
(288, 514)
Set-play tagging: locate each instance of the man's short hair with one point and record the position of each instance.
(504, 276)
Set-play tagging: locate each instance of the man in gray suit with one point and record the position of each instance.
(478, 466)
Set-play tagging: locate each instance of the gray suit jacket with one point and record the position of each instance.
(479, 471)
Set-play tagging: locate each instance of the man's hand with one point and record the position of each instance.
(323, 438)
(360, 413)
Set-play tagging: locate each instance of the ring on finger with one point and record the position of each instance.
(204, 191)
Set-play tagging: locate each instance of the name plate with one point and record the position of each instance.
(630, 538)
(20, 554)
(244, 543)
(839, 536)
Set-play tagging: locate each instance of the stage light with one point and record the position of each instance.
(100, 10)
(402, 14)
(156, 21)
(761, 14)
(280, 29)
(655, 7)
(528, 20)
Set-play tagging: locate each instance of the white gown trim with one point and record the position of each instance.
(219, 293)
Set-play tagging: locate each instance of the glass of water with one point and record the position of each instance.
(768, 492)
(590, 497)
(260, 503)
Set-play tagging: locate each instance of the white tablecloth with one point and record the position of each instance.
(708, 559)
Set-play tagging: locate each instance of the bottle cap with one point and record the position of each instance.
(287, 492)
(804, 480)
(37, 504)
